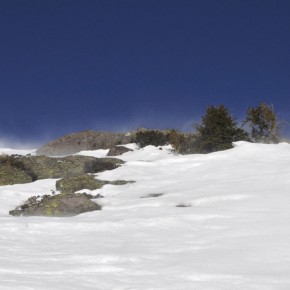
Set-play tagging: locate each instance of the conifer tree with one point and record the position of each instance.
(217, 130)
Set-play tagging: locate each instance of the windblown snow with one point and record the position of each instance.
(216, 221)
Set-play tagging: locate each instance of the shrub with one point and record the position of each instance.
(176, 139)
(12, 160)
(145, 137)
(217, 131)
(182, 143)
(263, 124)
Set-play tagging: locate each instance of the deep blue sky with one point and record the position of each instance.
(67, 66)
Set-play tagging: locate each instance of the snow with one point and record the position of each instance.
(8, 151)
(101, 153)
(233, 232)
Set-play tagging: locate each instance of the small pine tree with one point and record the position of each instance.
(217, 130)
(263, 124)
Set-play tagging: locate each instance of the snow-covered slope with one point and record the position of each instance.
(230, 230)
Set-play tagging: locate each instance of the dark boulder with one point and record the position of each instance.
(96, 165)
(118, 150)
(86, 140)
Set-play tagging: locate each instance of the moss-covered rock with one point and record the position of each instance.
(23, 169)
(61, 205)
(120, 182)
(13, 175)
(84, 181)
(48, 167)
(67, 203)
(12, 170)
(76, 183)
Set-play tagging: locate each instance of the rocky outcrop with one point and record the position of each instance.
(67, 203)
(86, 140)
(49, 167)
(12, 170)
(118, 150)
(23, 169)
(61, 205)
(13, 175)
(76, 183)
(84, 181)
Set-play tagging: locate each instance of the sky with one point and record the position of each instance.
(72, 65)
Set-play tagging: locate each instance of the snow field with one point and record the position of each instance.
(233, 232)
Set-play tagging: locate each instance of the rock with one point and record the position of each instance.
(86, 140)
(76, 183)
(61, 205)
(84, 181)
(48, 167)
(121, 182)
(96, 165)
(152, 195)
(67, 203)
(12, 170)
(24, 169)
(118, 150)
(90, 196)
(183, 205)
(13, 175)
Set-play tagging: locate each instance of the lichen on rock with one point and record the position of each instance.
(76, 183)
(49, 167)
(60, 205)
(12, 175)
(85, 181)
(12, 170)
(24, 169)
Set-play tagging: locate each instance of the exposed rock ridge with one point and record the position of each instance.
(85, 140)
(19, 169)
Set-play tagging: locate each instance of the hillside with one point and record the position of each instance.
(202, 221)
